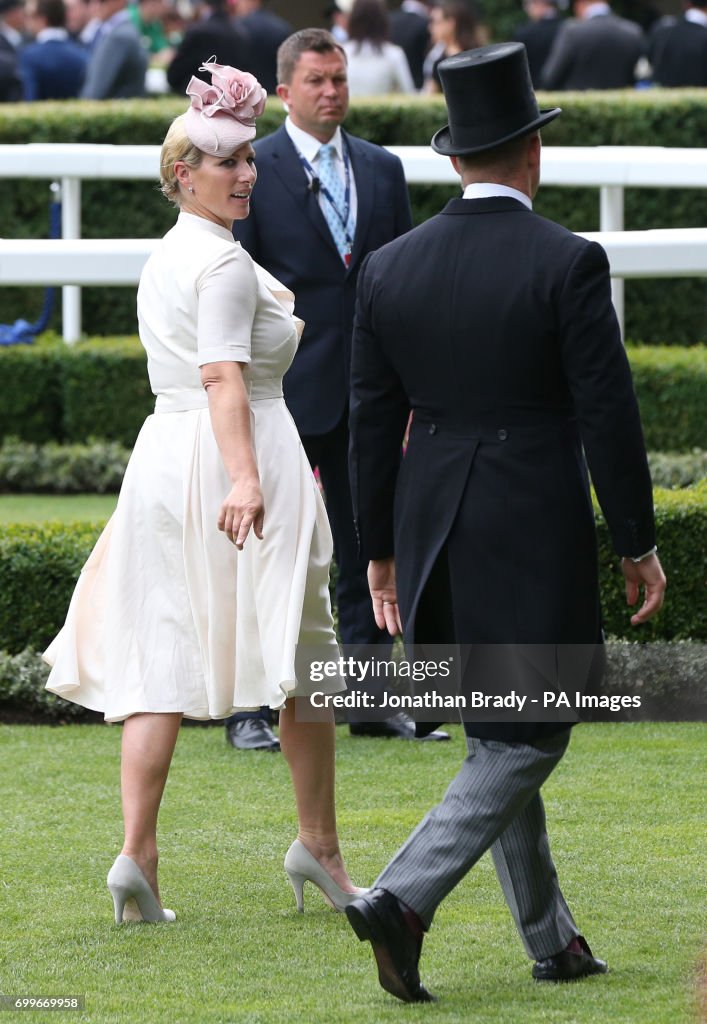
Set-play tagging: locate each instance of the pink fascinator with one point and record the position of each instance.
(222, 115)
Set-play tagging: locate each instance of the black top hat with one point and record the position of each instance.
(490, 99)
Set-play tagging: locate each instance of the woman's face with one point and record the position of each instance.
(441, 27)
(221, 186)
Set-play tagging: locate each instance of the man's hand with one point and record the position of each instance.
(647, 574)
(381, 583)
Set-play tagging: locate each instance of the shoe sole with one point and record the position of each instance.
(388, 976)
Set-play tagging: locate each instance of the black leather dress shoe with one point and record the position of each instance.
(395, 933)
(572, 963)
(399, 726)
(251, 734)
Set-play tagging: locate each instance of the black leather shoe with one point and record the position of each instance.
(399, 726)
(395, 933)
(572, 963)
(251, 734)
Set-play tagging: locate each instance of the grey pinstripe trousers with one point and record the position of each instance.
(493, 803)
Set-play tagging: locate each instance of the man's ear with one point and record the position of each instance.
(455, 164)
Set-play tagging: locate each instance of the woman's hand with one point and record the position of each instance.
(242, 509)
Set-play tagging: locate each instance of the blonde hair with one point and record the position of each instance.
(176, 146)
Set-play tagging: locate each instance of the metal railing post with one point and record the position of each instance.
(611, 218)
(71, 228)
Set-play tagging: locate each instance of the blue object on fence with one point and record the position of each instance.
(22, 332)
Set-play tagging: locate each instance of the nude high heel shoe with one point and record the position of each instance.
(133, 898)
(302, 867)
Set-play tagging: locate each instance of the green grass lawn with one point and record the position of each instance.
(625, 809)
(36, 508)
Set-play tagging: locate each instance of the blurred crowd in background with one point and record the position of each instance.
(107, 49)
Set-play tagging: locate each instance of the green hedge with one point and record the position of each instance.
(674, 313)
(58, 392)
(39, 566)
(671, 384)
(681, 521)
(99, 388)
(668, 672)
(99, 466)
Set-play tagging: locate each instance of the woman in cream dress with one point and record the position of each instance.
(193, 603)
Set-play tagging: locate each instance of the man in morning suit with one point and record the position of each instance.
(324, 200)
(594, 50)
(214, 34)
(677, 47)
(496, 328)
(538, 33)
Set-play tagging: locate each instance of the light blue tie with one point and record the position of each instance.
(333, 212)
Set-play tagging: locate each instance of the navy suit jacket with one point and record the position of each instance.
(54, 70)
(287, 234)
(678, 53)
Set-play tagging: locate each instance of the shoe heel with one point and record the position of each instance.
(120, 897)
(297, 882)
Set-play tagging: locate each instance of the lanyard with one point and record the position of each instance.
(343, 217)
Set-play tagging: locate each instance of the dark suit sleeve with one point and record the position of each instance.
(378, 416)
(30, 86)
(559, 60)
(403, 211)
(599, 377)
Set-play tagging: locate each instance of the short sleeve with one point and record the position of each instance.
(228, 294)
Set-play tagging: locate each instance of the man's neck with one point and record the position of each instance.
(322, 135)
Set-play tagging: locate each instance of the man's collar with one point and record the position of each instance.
(597, 10)
(696, 16)
(11, 34)
(491, 189)
(46, 35)
(415, 7)
(307, 145)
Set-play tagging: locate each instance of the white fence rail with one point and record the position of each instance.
(659, 253)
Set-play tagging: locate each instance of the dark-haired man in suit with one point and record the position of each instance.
(265, 32)
(324, 199)
(410, 29)
(496, 328)
(594, 50)
(677, 47)
(53, 66)
(538, 33)
(215, 33)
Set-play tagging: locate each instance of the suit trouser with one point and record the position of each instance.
(493, 803)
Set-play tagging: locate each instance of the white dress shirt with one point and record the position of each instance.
(491, 189)
(309, 147)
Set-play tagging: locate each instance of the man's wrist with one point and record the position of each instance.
(639, 558)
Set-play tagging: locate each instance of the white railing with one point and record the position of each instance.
(667, 253)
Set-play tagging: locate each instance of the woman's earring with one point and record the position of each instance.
(191, 188)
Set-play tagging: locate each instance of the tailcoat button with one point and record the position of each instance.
(502, 434)
(433, 428)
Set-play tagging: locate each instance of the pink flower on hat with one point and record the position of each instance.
(222, 115)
